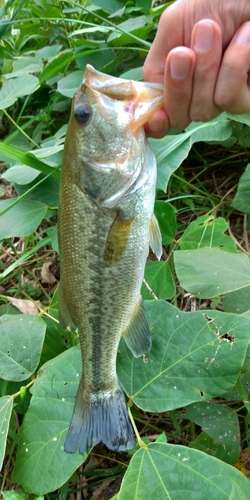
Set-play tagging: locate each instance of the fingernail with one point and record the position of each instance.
(203, 36)
(179, 66)
(242, 36)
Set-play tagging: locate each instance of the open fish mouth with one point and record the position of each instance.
(141, 98)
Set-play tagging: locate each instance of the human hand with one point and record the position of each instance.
(202, 54)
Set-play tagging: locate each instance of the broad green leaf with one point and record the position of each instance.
(159, 278)
(129, 25)
(174, 472)
(53, 342)
(17, 87)
(221, 424)
(172, 150)
(243, 118)
(21, 174)
(217, 130)
(69, 84)
(18, 495)
(46, 193)
(49, 51)
(190, 360)
(109, 5)
(181, 368)
(209, 272)
(6, 404)
(22, 337)
(22, 219)
(237, 302)
(241, 199)
(237, 492)
(133, 74)
(165, 214)
(207, 231)
(26, 63)
(45, 425)
(171, 160)
(56, 65)
(136, 28)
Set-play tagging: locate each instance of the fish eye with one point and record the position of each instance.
(83, 113)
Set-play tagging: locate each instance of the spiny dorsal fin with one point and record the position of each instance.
(155, 239)
(137, 335)
(117, 240)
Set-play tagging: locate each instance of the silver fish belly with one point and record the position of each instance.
(105, 224)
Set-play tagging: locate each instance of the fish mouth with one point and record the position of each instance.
(141, 99)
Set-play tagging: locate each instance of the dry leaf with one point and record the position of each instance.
(47, 275)
(25, 306)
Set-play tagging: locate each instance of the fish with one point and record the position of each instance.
(105, 225)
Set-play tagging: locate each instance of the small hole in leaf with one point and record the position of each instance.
(227, 337)
(202, 393)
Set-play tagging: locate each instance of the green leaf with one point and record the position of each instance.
(47, 192)
(218, 271)
(181, 368)
(172, 150)
(17, 87)
(221, 424)
(109, 5)
(53, 342)
(175, 472)
(22, 219)
(165, 214)
(56, 65)
(159, 278)
(21, 174)
(22, 337)
(69, 84)
(6, 404)
(133, 74)
(238, 492)
(28, 159)
(237, 302)
(241, 199)
(243, 118)
(45, 426)
(207, 231)
(190, 359)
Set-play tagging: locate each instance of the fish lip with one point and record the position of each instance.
(106, 163)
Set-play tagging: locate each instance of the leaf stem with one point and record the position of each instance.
(140, 441)
(21, 390)
(19, 128)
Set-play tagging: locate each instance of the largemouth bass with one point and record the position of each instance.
(106, 222)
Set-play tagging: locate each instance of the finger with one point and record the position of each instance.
(157, 125)
(206, 43)
(166, 39)
(178, 81)
(232, 91)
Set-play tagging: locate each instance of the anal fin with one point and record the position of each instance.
(117, 240)
(137, 335)
(155, 239)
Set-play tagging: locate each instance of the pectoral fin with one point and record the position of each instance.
(117, 240)
(137, 335)
(155, 239)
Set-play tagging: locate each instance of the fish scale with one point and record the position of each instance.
(105, 214)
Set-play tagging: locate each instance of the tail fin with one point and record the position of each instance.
(102, 417)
